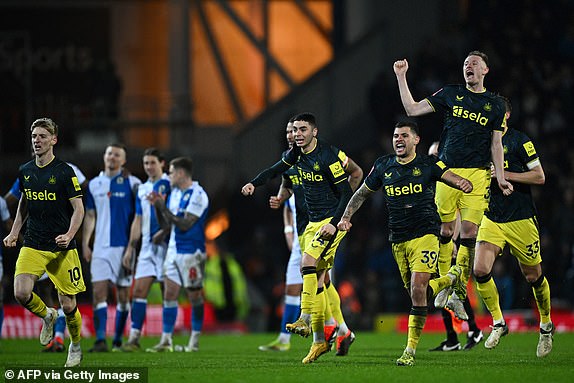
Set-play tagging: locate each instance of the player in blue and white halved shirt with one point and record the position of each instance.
(145, 226)
(110, 208)
(186, 214)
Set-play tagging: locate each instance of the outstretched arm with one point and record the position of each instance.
(278, 168)
(354, 204)
(412, 107)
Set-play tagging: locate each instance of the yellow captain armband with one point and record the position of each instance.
(288, 229)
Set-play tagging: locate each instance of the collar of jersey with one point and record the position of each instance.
(470, 90)
(404, 163)
(316, 143)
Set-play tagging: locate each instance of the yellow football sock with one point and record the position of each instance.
(335, 303)
(438, 284)
(328, 313)
(36, 306)
(74, 323)
(318, 316)
(541, 289)
(465, 258)
(417, 319)
(489, 294)
(309, 290)
(445, 257)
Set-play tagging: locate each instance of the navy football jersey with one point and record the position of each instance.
(469, 120)
(519, 156)
(409, 191)
(48, 191)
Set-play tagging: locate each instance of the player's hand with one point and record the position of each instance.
(248, 189)
(87, 253)
(158, 237)
(344, 224)
(155, 198)
(11, 240)
(401, 67)
(63, 240)
(506, 187)
(274, 202)
(127, 258)
(464, 185)
(327, 231)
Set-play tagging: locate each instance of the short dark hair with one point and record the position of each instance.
(118, 145)
(507, 103)
(47, 124)
(154, 152)
(307, 117)
(411, 124)
(480, 54)
(184, 163)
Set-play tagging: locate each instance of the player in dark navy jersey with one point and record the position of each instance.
(408, 181)
(326, 191)
(470, 140)
(511, 220)
(51, 209)
(291, 192)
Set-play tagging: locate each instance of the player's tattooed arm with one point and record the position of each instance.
(354, 204)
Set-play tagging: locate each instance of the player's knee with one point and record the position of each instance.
(481, 277)
(535, 280)
(446, 231)
(468, 242)
(69, 308)
(196, 300)
(22, 296)
(444, 239)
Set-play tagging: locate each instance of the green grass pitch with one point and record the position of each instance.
(235, 358)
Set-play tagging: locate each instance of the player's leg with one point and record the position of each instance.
(451, 342)
(138, 312)
(148, 270)
(345, 337)
(293, 287)
(102, 274)
(474, 335)
(193, 267)
(30, 265)
(472, 207)
(320, 345)
(486, 253)
(309, 260)
(68, 280)
(322, 252)
(74, 323)
(524, 243)
(169, 311)
(123, 284)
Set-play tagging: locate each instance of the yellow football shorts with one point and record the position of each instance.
(417, 255)
(63, 268)
(521, 236)
(472, 205)
(319, 248)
